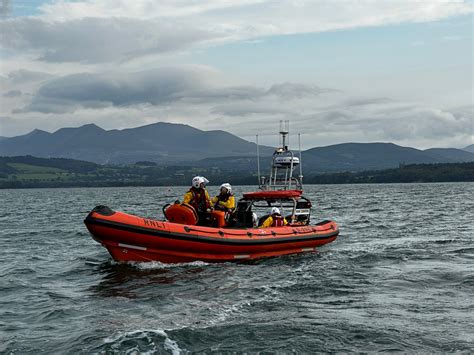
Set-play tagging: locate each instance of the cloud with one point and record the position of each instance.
(193, 85)
(239, 110)
(114, 31)
(16, 87)
(60, 10)
(5, 8)
(95, 40)
(333, 117)
(273, 15)
(295, 90)
(12, 93)
(200, 97)
(325, 119)
(23, 76)
(426, 123)
(87, 90)
(93, 59)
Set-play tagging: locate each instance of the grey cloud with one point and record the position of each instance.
(397, 122)
(338, 116)
(238, 109)
(95, 40)
(286, 91)
(12, 93)
(26, 76)
(5, 8)
(462, 112)
(291, 91)
(22, 82)
(157, 87)
(426, 123)
(153, 87)
(236, 93)
(190, 95)
(368, 101)
(394, 121)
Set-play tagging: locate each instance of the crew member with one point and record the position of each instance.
(275, 219)
(225, 201)
(198, 197)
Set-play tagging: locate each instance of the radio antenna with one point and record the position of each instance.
(301, 161)
(258, 162)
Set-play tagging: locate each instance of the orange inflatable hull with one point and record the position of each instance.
(133, 238)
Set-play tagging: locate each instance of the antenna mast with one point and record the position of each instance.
(301, 161)
(284, 130)
(258, 161)
(284, 164)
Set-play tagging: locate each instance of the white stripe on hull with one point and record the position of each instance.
(131, 246)
(241, 256)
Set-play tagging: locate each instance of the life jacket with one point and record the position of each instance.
(199, 200)
(221, 198)
(278, 220)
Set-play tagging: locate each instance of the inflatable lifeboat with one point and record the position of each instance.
(132, 238)
(182, 237)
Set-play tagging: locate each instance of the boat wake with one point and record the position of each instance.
(144, 341)
(156, 265)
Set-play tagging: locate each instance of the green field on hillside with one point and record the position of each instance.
(27, 172)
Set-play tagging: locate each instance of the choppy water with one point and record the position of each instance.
(399, 278)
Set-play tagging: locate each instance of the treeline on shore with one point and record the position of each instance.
(443, 172)
(33, 172)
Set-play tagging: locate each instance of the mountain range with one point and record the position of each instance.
(178, 144)
(469, 148)
(158, 142)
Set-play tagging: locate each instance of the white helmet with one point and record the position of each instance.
(198, 180)
(227, 187)
(275, 210)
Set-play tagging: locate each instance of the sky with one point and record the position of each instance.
(339, 71)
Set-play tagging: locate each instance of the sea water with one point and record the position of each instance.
(400, 277)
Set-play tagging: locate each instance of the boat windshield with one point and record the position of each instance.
(252, 212)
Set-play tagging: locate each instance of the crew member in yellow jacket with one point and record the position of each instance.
(225, 201)
(275, 219)
(199, 198)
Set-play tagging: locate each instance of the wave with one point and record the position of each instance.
(143, 341)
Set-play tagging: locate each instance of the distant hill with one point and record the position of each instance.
(450, 155)
(181, 145)
(370, 156)
(362, 156)
(159, 142)
(348, 157)
(469, 148)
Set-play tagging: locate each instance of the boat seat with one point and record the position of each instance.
(182, 214)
